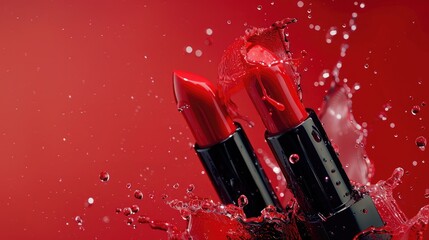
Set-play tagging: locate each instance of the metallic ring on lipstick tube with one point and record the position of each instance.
(332, 208)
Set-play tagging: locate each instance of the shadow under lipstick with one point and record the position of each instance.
(222, 145)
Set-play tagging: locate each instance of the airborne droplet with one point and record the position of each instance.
(127, 211)
(415, 110)
(421, 142)
(104, 176)
(90, 201)
(78, 220)
(190, 188)
(138, 194)
(135, 208)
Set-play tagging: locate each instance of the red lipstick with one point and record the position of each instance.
(281, 108)
(332, 208)
(222, 145)
(209, 122)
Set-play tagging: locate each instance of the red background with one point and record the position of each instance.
(85, 86)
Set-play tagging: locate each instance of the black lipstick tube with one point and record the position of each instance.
(331, 207)
(234, 170)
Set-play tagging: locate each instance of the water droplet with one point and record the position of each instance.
(138, 194)
(90, 201)
(354, 15)
(164, 196)
(104, 176)
(366, 66)
(316, 136)
(209, 31)
(356, 86)
(304, 53)
(382, 116)
(176, 186)
(325, 74)
(228, 22)
(392, 125)
(365, 211)
(344, 48)
(294, 158)
(118, 210)
(317, 28)
(309, 10)
(198, 53)
(259, 7)
(415, 110)
(190, 188)
(188, 49)
(135, 208)
(346, 35)
(333, 31)
(300, 4)
(387, 107)
(421, 142)
(242, 201)
(130, 221)
(427, 193)
(106, 219)
(128, 185)
(127, 211)
(414, 163)
(362, 5)
(330, 34)
(78, 220)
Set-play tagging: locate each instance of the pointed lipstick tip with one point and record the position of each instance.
(197, 100)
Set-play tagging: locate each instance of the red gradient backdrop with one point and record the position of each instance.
(85, 87)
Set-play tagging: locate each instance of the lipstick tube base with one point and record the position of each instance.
(331, 207)
(234, 170)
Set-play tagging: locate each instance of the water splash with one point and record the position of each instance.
(237, 62)
(227, 221)
(396, 222)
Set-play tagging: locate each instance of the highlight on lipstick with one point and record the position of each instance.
(196, 99)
